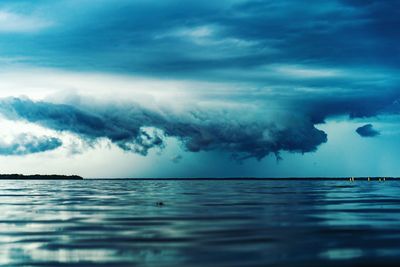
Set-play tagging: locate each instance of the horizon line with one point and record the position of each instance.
(249, 178)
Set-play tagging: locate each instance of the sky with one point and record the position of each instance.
(178, 88)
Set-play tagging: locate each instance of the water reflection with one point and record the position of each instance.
(218, 223)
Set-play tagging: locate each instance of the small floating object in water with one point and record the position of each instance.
(380, 180)
(369, 179)
(384, 179)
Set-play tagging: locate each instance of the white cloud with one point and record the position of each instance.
(17, 23)
(58, 85)
(206, 35)
(197, 32)
(299, 71)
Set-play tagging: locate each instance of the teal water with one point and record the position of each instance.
(201, 223)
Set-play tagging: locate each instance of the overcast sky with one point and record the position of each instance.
(178, 88)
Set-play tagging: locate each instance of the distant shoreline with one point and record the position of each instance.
(39, 177)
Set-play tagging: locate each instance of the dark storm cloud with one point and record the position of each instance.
(192, 38)
(198, 130)
(211, 40)
(367, 131)
(24, 144)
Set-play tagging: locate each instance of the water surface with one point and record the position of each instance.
(202, 223)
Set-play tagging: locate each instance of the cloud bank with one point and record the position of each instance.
(138, 129)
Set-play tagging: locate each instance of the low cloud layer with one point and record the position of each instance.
(138, 129)
(367, 130)
(24, 144)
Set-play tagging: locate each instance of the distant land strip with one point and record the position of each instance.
(39, 177)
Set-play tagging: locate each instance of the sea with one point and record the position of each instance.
(101, 222)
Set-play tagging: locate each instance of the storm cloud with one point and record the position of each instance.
(25, 143)
(201, 37)
(138, 129)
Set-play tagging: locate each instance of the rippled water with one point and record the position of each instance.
(202, 223)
